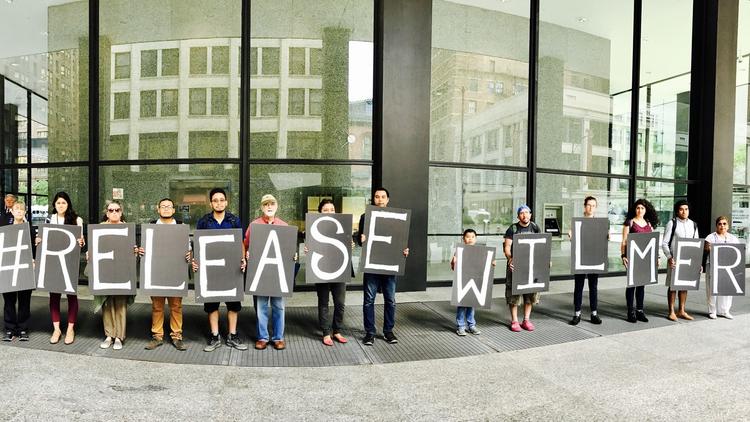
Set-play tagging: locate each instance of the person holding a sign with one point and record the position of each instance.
(114, 307)
(16, 321)
(268, 307)
(718, 305)
(63, 214)
(642, 218)
(465, 322)
(6, 217)
(524, 225)
(166, 211)
(378, 282)
(337, 291)
(678, 227)
(589, 209)
(220, 218)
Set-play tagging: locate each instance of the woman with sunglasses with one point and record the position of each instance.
(114, 307)
(718, 305)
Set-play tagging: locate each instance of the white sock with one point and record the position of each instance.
(578, 313)
(593, 312)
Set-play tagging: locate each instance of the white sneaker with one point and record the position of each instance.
(727, 315)
(118, 344)
(106, 343)
(712, 315)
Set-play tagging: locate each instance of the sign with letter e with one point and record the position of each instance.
(387, 235)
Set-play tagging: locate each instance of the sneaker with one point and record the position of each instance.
(390, 338)
(576, 319)
(8, 336)
(527, 325)
(368, 340)
(214, 342)
(631, 317)
(726, 315)
(154, 343)
(24, 336)
(106, 343)
(117, 345)
(595, 319)
(710, 315)
(473, 330)
(641, 316)
(461, 332)
(233, 340)
(179, 345)
(515, 327)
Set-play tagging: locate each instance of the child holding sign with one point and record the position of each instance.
(16, 322)
(465, 314)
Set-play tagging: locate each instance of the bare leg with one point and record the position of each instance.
(527, 311)
(213, 322)
(232, 322)
(513, 313)
(670, 305)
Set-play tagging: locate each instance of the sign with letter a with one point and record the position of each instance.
(473, 275)
(270, 269)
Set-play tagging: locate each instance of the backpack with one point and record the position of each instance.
(515, 227)
(674, 228)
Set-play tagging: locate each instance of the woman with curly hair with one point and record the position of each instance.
(641, 218)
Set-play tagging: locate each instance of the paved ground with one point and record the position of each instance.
(617, 371)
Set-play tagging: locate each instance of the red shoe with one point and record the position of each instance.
(327, 341)
(341, 339)
(527, 325)
(515, 327)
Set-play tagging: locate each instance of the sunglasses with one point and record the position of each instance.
(114, 210)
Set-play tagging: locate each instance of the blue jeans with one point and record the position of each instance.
(387, 284)
(464, 315)
(276, 308)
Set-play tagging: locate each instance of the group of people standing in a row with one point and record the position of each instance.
(641, 218)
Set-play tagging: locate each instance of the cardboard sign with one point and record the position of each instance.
(643, 258)
(271, 265)
(688, 254)
(111, 259)
(329, 245)
(589, 245)
(531, 260)
(16, 261)
(727, 269)
(473, 276)
(219, 256)
(58, 258)
(387, 235)
(164, 271)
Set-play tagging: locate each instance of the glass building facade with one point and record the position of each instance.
(464, 109)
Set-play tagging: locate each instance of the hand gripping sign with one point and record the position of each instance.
(329, 256)
(531, 260)
(643, 258)
(688, 254)
(111, 259)
(58, 258)
(589, 245)
(473, 276)
(16, 262)
(164, 271)
(387, 235)
(727, 269)
(218, 253)
(271, 264)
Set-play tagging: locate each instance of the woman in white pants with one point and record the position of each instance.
(718, 305)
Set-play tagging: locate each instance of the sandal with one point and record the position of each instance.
(70, 336)
(55, 338)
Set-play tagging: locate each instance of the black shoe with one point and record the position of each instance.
(641, 316)
(576, 319)
(390, 338)
(233, 340)
(214, 342)
(23, 336)
(368, 340)
(8, 336)
(595, 319)
(631, 317)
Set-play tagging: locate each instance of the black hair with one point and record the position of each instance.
(589, 198)
(651, 217)
(70, 215)
(325, 201)
(680, 203)
(467, 231)
(214, 191)
(165, 199)
(387, 194)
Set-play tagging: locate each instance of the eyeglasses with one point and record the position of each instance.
(114, 210)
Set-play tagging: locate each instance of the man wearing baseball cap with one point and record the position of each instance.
(524, 225)
(268, 307)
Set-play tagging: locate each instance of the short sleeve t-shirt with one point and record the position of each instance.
(519, 229)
